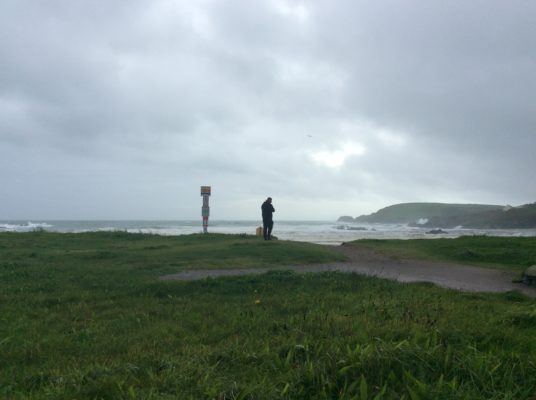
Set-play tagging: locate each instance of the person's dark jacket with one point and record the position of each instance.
(267, 210)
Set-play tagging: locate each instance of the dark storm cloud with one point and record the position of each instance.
(348, 105)
(450, 69)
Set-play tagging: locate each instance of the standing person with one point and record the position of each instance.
(267, 221)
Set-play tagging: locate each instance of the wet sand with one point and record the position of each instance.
(365, 262)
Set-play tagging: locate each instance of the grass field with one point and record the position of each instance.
(495, 252)
(83, 316)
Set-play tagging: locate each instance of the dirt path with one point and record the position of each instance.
(366, 262)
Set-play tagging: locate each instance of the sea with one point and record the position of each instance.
(322, 232)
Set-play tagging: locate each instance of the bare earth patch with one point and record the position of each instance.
(366, 262)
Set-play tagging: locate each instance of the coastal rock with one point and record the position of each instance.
(436, 232)
(350, 228)
(345, 218)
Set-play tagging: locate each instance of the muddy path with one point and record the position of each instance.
(366, 262)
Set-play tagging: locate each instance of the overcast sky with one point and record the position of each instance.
(123, 109)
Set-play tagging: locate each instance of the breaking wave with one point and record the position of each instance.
(325, 232)
(24, 226)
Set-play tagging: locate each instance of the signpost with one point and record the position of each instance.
(205, 210)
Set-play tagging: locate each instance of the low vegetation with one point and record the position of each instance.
(83, 316)
(513, 253)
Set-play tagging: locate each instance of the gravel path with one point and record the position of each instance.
(366, 262)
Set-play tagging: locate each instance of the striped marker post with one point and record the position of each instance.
(205, 210)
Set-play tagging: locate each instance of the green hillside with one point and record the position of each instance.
(409, 213)
(523, 217)
(442, 215)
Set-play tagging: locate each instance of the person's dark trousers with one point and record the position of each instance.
(267, 229)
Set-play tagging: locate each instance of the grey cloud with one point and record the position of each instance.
(128, 106)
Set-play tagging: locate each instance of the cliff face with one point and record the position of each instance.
(441, 215)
